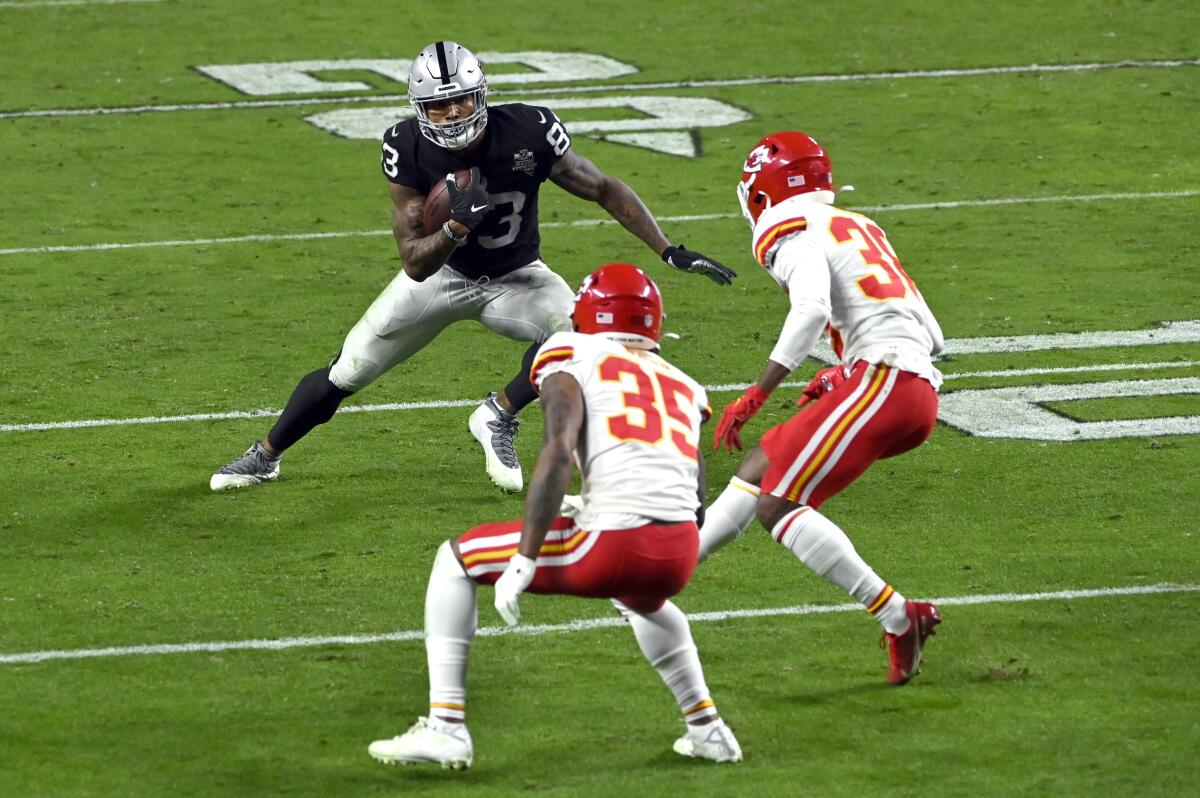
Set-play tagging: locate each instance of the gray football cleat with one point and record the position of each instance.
(713, 741)
(255, 466)
(495, 430)
(428, 740)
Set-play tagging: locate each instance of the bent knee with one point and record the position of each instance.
(352, 374)
(754, 466)
(772, 508)
(449, 558)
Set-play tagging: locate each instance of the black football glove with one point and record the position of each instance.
(685, 260)
(468, 205)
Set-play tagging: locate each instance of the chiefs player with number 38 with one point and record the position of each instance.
(839, 272)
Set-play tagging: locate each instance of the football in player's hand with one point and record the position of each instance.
(437, 202)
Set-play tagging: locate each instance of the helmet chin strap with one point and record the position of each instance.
(470, 129)
(823, 196)
(631, 340)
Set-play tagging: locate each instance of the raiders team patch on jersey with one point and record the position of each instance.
(524, 161)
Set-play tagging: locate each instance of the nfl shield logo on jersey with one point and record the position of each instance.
(524, 161)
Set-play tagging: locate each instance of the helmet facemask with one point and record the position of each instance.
(745, 190)
(445, 71)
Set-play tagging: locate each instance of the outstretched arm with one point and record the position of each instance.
(808, 289)
(579, 176)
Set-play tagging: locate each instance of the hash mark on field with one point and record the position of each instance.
(436, 404)
(917, 206)
(573, 626)
(675, 84)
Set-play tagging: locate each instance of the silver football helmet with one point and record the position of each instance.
(442, 71)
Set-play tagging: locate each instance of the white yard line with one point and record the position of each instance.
(235, 414)
(854, 77)
(918, 206)
(675, 84)
(197, 242)
(446, 403)
(49, 3)
(574, 626)
(1166, 364)
(983, 203)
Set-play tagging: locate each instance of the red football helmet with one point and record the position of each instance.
(782, 165)
(618, 298)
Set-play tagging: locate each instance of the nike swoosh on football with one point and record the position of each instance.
(477, 209)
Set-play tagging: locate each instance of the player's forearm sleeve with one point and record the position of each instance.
(935, 329)
(800, 332)
(808, 290)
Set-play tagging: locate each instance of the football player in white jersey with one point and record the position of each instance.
(631, 421)
(841, 274)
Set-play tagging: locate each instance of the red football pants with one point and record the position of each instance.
(879, 411)
(641, 567)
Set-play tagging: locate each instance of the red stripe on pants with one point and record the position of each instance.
(903, 422)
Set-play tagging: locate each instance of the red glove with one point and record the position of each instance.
(734, 417)
(824, 382)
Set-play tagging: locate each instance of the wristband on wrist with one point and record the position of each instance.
(450, 234)
(756, 395)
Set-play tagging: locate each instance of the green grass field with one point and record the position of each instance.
(1044, 201)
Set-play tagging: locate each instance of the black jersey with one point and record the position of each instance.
(520, 145)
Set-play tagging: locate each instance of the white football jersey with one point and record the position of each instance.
(639, 456)
(841, 260)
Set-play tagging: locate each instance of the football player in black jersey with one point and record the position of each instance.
(483, 264)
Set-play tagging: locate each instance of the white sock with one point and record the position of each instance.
(666, 640)
(823, 546)
(728, 516)
(450, 620)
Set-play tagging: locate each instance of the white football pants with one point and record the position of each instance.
(528, 304)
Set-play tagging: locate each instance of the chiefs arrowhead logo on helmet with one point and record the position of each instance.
(780, 166)
(758, 156)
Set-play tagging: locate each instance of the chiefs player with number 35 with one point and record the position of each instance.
(840, 272)
(631, 420)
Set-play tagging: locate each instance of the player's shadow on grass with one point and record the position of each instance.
(430, 776)
(825, 695)
(298, 505)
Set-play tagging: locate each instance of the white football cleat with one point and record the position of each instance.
(495, 430)
(713, 741)
(428, 740)
(255, 466)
